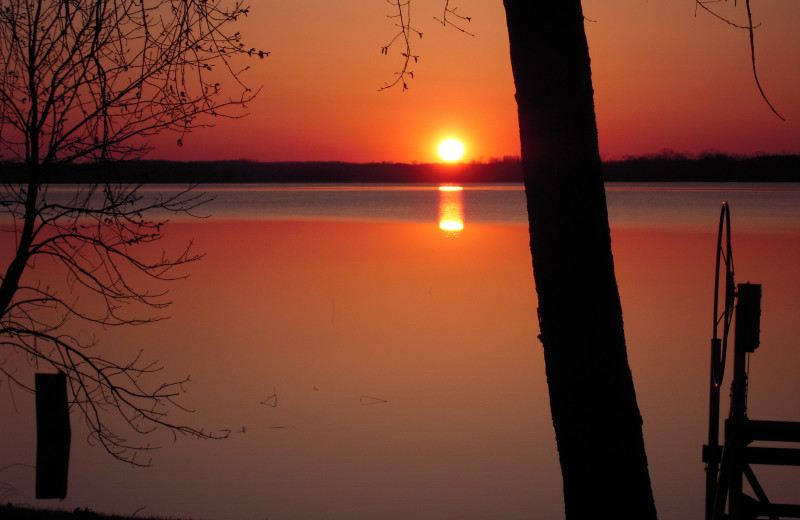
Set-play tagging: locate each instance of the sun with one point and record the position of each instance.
(451, 150)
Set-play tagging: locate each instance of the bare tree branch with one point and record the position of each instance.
(446, 22)
(750, 27)
(401, 10)
(93, 242)
(750, 31)
(403, 23)
(90, 81)
(92, 75)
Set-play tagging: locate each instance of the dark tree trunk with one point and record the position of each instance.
(593, 403)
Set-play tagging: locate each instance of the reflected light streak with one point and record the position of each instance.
(451, 209)
(451, 225)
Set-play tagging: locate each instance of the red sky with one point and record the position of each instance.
(666, 76)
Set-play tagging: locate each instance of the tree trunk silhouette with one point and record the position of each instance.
(593, 403)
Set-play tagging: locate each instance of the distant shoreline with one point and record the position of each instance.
(652, 168)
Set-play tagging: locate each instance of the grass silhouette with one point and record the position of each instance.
(12, 512)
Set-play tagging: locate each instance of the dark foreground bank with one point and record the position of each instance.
(11, 512)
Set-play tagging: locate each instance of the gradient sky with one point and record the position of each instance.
(666, 76)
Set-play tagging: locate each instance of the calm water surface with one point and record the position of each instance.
(374, 352)
(659, 205)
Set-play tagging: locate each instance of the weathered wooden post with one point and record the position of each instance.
(52, 435)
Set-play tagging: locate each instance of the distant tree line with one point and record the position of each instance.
(670, 166)
(665, 166)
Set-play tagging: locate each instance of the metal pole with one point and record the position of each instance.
(712, 458)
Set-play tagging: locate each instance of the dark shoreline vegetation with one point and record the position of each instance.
(12, 512)
(663, 167)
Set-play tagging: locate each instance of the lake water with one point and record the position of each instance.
(374, 352)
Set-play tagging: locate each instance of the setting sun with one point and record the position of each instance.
(451, 150)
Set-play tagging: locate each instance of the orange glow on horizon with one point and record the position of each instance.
(464, 86)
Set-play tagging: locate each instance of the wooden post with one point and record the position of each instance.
(52, 435)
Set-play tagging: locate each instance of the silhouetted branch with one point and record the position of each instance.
(750, 30)
(405, 30)
(97, 239)
(704, 6)
(446, 22)
(751, 33)
(91, 76)
(403, 23)
(92, 81)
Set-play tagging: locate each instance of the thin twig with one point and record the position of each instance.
(753, 60)
(445, 22)
(751, 34)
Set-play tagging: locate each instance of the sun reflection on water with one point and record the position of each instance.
(451, 210)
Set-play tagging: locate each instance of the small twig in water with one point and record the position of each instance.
(367, 400)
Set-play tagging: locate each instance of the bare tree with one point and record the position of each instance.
(89, 81)
(593, 404)
(592, 398)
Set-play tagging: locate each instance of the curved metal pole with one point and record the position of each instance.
(719, 348)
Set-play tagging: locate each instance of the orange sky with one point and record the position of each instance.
(664, 79)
